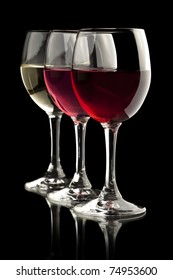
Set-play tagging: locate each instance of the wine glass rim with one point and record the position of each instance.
(64, 31)
(109, 29)
(38, 31)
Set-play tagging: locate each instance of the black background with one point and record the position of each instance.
(143, 151)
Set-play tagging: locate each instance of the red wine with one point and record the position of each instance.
(58, 83)
(107, 96)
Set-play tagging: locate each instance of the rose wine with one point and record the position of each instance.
(33, 80)
(107, 96)
(58, 83)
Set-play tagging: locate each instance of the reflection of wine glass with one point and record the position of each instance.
(111, 77)
(56, 251)
(110, 228)
(32, 77)
(57, 76)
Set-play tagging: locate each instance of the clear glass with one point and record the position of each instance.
(32, 76)
(111, 78)
(57, 76)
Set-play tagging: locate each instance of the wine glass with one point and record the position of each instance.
(111, 78)
(57, 76)
(32, 76)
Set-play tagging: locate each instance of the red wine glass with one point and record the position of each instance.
(32, 76)
(57, 76)
(111, 78)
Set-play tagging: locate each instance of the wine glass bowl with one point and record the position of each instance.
(115, 65)
(32, 76)
(111, 78)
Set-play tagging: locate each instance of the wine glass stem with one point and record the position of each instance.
(55, 165)
(80, 178)
(110, 190)
(80, 131)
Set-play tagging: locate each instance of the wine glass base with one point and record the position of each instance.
(45, 185)
(98, 211)
(71, 197)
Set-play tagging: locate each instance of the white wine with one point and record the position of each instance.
(33, 80)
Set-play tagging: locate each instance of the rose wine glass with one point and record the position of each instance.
(111, 78)
(57, 76)
(33, 80)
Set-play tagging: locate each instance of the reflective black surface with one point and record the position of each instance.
(143, 151)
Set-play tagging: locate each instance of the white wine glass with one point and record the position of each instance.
(32, 76)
